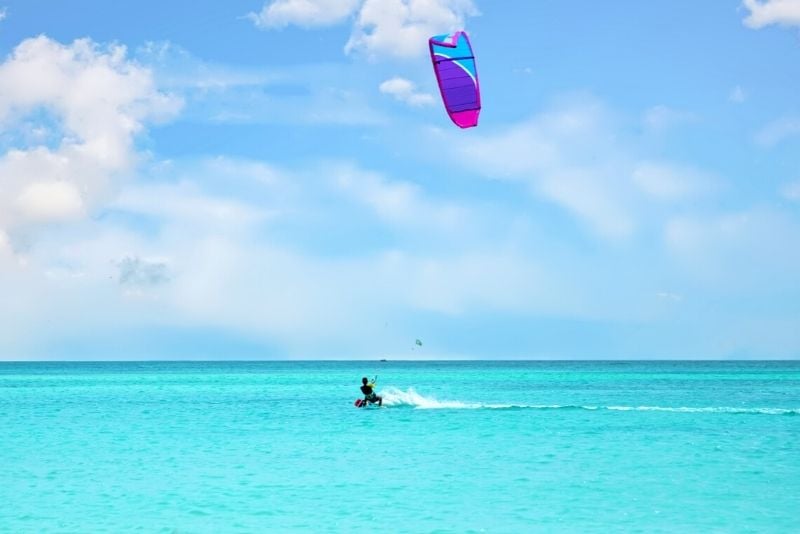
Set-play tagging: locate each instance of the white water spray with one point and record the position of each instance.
(411, 398)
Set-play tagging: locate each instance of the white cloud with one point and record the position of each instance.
(175, 254)
(405, 91)
(394, 28)
(305, 13)
(778, 130)
(3, 13)
(737, 95)
(401, 28)
(206, 248)
(50, 201)
(98, 99)
(782, 12)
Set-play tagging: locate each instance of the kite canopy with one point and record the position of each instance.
(454, 65)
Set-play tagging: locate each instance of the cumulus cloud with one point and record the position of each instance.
(98, 100)
(767, 12)
(405, 91)
(395, 28)
(401, 28)
(305, 13)
(50, 201)
(778, 130)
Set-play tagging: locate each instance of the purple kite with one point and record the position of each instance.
(454, 64)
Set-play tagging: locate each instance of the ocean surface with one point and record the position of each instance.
(457, 447)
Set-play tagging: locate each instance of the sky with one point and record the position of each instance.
(279, 180)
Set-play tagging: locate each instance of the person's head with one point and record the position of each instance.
(364, 380)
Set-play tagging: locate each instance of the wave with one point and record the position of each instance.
(410, 398)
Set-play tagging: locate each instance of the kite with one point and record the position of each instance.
(454, 65)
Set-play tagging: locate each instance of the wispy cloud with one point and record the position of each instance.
(576, 156)
(671, 182)
(304, 94)
(738, 251)
(557, 154)
(405, 91)
(768, 12)
(398, 202)
(778, 131)
(3, 13)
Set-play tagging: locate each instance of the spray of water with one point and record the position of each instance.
(411, 398)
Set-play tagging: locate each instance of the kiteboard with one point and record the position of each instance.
(361, 403)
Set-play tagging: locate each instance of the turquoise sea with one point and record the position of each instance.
(458, 447)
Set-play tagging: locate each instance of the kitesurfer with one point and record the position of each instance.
(368, 389)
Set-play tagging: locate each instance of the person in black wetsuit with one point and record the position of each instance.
(368, 389)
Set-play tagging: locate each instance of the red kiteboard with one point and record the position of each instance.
(358, 403)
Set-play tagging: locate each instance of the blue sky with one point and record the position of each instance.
(278, 179)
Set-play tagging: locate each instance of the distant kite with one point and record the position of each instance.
(454, 65)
